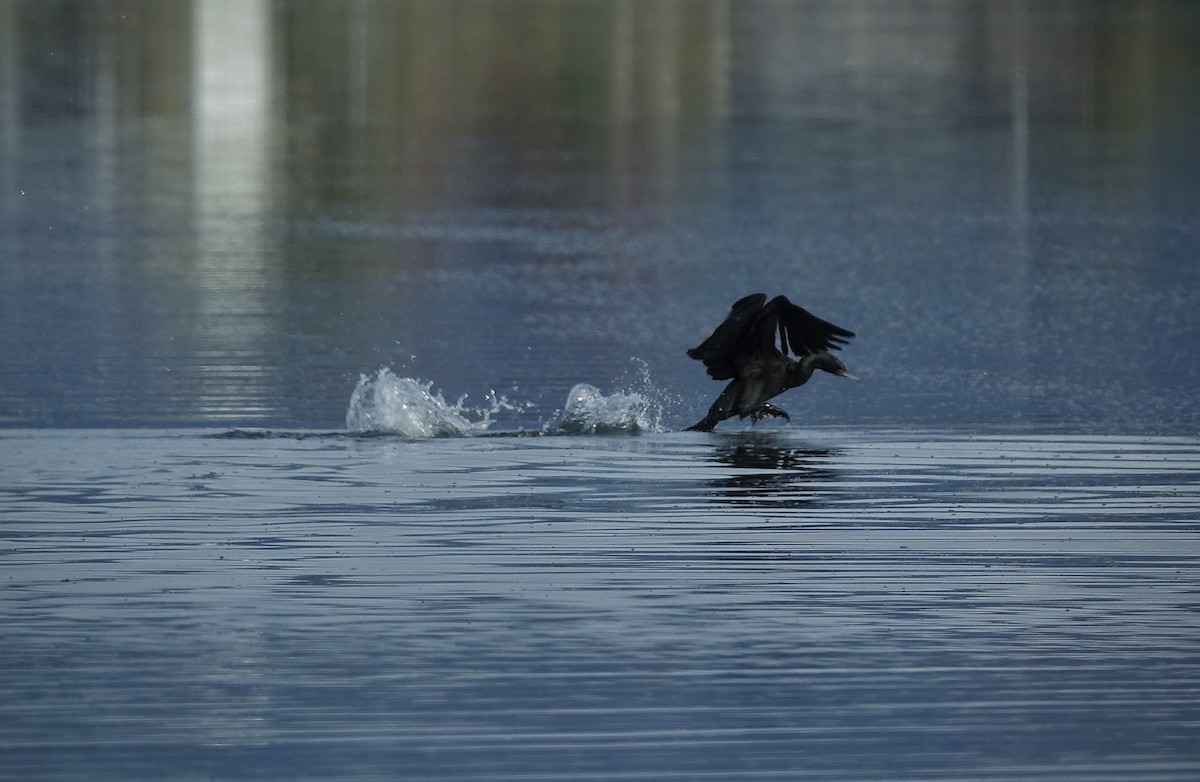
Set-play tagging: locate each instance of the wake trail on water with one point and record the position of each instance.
(385, 403)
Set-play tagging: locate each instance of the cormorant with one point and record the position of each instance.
(743, 348)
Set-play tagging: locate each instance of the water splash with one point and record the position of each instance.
(411, 408)
(588, 411)
(388, 404)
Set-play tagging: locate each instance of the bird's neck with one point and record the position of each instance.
(803, 369)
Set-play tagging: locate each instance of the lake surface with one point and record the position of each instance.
(801, 604)
(342, 374)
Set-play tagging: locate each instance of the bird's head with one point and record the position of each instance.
(831, 364)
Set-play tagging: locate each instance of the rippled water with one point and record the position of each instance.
(807, 604)
(342, 368)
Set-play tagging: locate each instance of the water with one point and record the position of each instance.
(342, 374)
(824, 604)
(222, 217)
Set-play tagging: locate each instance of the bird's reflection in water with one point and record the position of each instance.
(772, 472)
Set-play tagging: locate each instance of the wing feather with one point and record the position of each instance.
(721, 351)
(801, 332)
(752, 328)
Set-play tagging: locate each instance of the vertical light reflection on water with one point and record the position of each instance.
(233, 116)
(10, 193)
(1020, 127)
(1019, 273)
(360, 67)
(9, 109)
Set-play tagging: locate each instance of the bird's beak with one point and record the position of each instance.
(846, 374)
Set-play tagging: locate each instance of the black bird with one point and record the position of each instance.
(743, 348)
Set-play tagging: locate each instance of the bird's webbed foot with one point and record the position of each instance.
(764, 410)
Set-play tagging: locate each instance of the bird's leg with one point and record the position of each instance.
(770, 409)
(767, 409)
(721, 409)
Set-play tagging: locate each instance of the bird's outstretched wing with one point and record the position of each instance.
(750, 331)
(801, 333)
(723, 350)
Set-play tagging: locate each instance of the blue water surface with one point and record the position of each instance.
(342, 374)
